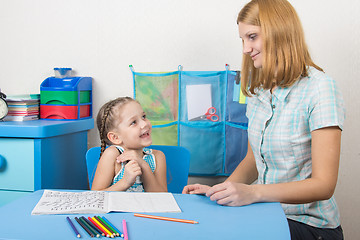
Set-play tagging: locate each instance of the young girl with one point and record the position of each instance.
(296, 115)
(127, 165)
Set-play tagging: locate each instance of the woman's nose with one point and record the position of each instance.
(247, 49)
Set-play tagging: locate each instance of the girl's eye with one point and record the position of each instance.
(144, 116)
(133, 123)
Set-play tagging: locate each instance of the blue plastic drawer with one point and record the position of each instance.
(17, 171)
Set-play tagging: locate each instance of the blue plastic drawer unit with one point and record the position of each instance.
(42, 154)
(63, 97)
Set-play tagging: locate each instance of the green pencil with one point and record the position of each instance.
(84, 227)
(106, 226)
(89, 226)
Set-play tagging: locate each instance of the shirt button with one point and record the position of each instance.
(263, 160)
(273, 106)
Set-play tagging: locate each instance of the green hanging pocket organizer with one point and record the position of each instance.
(176, 103)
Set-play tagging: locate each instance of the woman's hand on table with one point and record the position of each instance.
(195, 189)
(232, 194)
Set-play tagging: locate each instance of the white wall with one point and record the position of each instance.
(101, 38)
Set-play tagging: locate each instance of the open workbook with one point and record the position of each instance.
(87, 202)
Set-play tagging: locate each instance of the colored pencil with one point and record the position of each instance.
(126, 236)
(108, 234)
(93, 226)
(84, 227)
(73, 227)
(98, 226)
(112, 234)
(116, 234)
(116, 230)
(94, 232)
(165, 218)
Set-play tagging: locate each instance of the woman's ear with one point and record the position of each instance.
(114, 138)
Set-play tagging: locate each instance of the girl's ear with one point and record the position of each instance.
(114, 138)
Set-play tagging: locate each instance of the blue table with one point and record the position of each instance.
(256, 221)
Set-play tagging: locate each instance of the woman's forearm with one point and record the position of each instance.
(300, 192)
(246, 171)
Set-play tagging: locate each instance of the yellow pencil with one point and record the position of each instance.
(165, 218)
(109, 234)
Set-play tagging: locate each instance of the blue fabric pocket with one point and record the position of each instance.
(216, 147)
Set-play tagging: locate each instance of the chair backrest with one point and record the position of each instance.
(177, 164)
(92, 159)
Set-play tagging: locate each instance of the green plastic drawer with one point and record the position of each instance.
(64, 97)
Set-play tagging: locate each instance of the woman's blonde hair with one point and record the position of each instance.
(285, 54)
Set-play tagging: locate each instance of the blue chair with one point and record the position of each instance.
(177, 163)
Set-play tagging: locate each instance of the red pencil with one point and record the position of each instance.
(99, 227)
(105, 227)
(109, 234)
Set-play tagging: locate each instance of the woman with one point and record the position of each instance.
(296, 116)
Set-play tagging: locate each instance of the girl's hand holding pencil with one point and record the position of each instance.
(132, 170)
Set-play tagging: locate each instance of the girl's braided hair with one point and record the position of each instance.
(106, 118)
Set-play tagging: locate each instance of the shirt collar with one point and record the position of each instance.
(279, 93)
(282, 93)
(145, 150)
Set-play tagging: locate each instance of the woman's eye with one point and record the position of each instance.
(252, 36)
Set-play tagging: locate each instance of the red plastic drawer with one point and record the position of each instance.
(64, 112)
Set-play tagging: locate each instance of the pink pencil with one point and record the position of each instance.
(126, 236)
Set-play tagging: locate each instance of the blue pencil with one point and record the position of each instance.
(111, 225)
(73, 227)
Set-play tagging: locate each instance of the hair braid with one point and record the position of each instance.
(102, 128)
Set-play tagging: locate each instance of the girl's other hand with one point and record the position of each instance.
(195, 189)
(132, 170)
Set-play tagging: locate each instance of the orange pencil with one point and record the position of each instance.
(165, 218)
